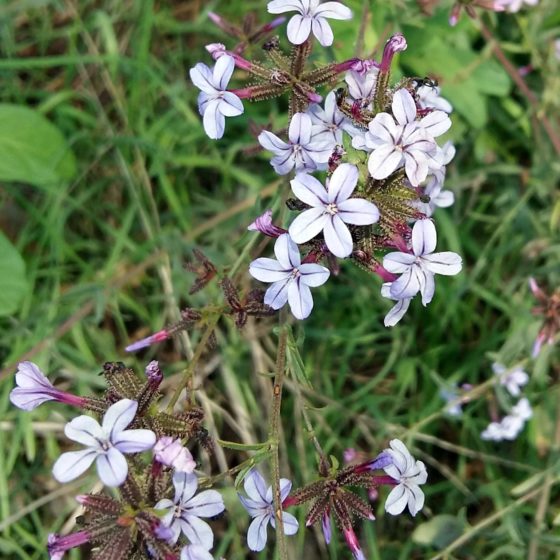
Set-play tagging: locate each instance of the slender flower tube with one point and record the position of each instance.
(58, 545)
(33, 388)
(397, 43)
(159, 336)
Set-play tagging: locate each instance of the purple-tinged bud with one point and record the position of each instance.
(33, 388)
(349, 455)
(216, 19)
(380, 462)
(240, 62)
(535, 289)
(383, 273)
(326, 526)
(154, 373)
(346, 65)
(541, 338)
(216, 50)
(172, 453)
(264, 225)
(58, 545)
(163, 533)
(314, 97)
(353, 544)
(373, 494)
(397, 43)
(160, 336)
(455, 15)
(273, 24)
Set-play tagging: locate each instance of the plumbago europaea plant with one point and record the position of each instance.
(366, 173)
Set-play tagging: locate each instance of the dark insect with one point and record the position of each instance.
(426, 81)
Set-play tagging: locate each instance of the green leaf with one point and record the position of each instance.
(295, 362)
(439, 531)
(13, 281)
(32, 149)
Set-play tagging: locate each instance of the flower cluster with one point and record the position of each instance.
(122, 528)
(378, 146)
(511, 425)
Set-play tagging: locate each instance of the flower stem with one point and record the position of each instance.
(274, 435)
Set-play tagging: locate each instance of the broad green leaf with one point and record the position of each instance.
(13, 282)
(32, 149)
(439, 531)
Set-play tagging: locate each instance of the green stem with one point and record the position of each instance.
(274, 435)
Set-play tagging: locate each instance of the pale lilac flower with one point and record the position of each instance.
(493, 432)
(260, 506)
(450, 395)
(511, 425)
(429, 98)
(264, 224)
(216, 50)
(331, 209)
(105, 444)
(33, 388)
(312, 17)
(171, 453)
(186, 509)
(512, 379)
(361, 85)
(409, 474)
(417, 270)
(515, 5)
(398, 311)
(290, 279)
(195, 552)
(329, 123)
(399, 139)
(302, 151)
(214, 102)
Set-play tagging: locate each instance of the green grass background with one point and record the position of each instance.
(105, 239)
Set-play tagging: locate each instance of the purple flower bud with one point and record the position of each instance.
(380, 462)
(58, 545)
(353, 544)
(163, 533)
(314, 97)
(170, 452)
(216, 19)
(264, 224)
(33, 388)
(395, 44)
(362, 67)
(326, 526)
(455, 14)
(216, 50)
(160, 336)
(153, 372)
(349, 455)
(273, 24)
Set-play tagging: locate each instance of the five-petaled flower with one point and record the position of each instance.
(417, 270)
(186, 509)
(33, 388)
(312, 17)
(260, 506)
(214, 102)
(105, 444)
(304, 152)
(399, 139)
(290, 278)
(512, 379)
(409, 474)
(331, 209)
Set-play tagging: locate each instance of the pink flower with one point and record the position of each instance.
(171, 453)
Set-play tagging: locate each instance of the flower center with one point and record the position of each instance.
(295, 273)
(332, 208)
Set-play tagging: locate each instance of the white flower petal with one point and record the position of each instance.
(85, 430)
(428, 288)
(223, 70)
(195, 552)
(384, 129)
(333, 10)
(72, 464)
(118, 417)
(268, 270)
(446, 263)
(322, 30)
(255, 487)
(213, 120)
(436, 123)
(404, 107)
(299, 28)
(256, 535)
(202, 78)
(424, 237)
(29, 376)
(281, 6)
(197, 531)
(284, 163)
(300, 299)
(397, 500)
(407, 285)
(253, 508)
(206, 504)
(383, 161)
(358, 211)
(308, 224)
(309, 190)
(285, 486)
(277, 295)
(398, 262)
(272, 143)
(313, 275)
(185, 485)
(337, 237)
(291, 524)
(416, 166)
(134, 441)
(230, 105)
(287, 252)
(415, 500)
(300, 128)
(112, 467)
(342, 183)
(396, 313)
